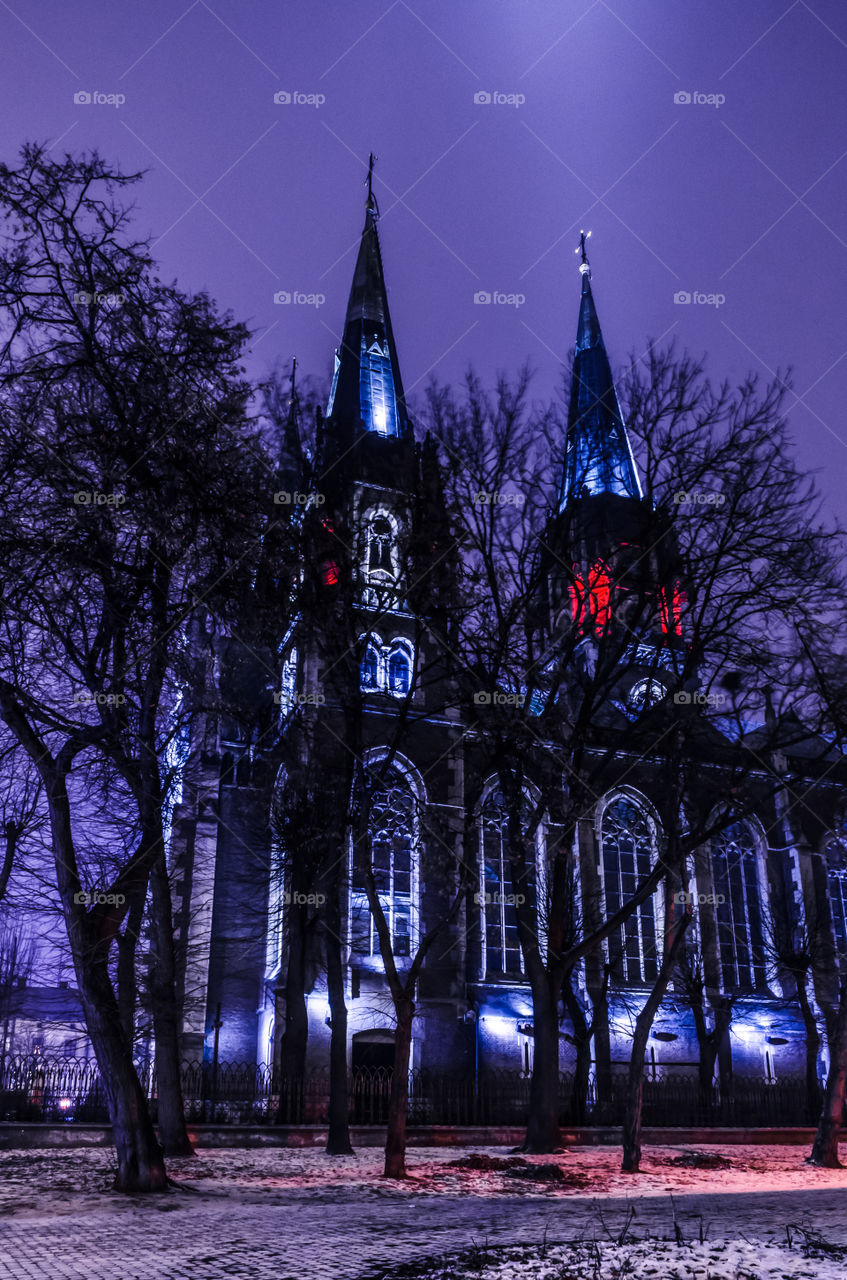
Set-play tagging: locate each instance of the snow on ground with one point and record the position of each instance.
(29, 1178)
(645, 1260)
(486, 1171)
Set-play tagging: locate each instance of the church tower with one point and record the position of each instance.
(607, 574)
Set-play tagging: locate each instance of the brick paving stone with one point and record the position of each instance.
(340, 1234)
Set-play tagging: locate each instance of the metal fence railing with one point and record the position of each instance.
(39, 1088)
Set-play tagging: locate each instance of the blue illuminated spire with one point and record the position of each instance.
(598, 458)
(366, 386)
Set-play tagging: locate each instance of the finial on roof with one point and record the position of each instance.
(584, 268)
(371, 201)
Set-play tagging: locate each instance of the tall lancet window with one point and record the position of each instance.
(502, 947)
(739, 893)
(380, 549)
(835, 857)
(392, 847)
(376, 387)
(628, 843)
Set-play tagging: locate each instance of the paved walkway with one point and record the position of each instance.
(346, 1235)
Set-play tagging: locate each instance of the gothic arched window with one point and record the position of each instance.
(387, 668)
(371, 665)
(380, 551)
(391, 846)
(835, 856)
(399, 669)
(628, 843)
(376, 387)
(502, 948)
(738, 907)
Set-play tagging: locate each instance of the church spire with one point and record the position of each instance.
(367, 389)
(598, 458)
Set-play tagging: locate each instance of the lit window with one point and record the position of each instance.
(376, 388)
(835, 856)
(399, 671)
(391, 845)
(371, 666)
(628, 842)
(502, 940)
(380, 558)
(387, 668)
(738, 899)
(646, 693)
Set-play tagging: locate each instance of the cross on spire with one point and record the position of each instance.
(582, 250)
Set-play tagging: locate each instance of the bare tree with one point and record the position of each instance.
(544, 651)
(129, 481)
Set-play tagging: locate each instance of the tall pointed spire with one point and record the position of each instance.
(598, 458)
(367, 388)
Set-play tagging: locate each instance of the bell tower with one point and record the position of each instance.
(607, 566)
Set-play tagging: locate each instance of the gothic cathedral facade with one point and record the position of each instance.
(473, 1006)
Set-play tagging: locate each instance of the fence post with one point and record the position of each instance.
(217, 1024)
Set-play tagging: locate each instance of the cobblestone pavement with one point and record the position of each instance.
(346, 1235)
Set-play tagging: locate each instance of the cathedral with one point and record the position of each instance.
(474, 1012)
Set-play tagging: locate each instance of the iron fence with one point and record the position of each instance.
(46, 1089)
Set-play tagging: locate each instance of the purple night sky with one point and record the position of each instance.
(249, 197)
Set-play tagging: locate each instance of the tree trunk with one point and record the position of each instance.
(643, 1023)
(707, 1048)
(813, 1044)
(292, 1050)
(338, 1138)
(398, 1103)
(173, 1134)
(602, 1051)
(542, 1130)
(127, 984)
(141, 1165)
(825, 1147)
(582, 1042)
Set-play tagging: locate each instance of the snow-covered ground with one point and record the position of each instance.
(59, 1176)
(648, 1260)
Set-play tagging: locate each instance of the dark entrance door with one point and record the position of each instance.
(373, 1063)
(370, 1053)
